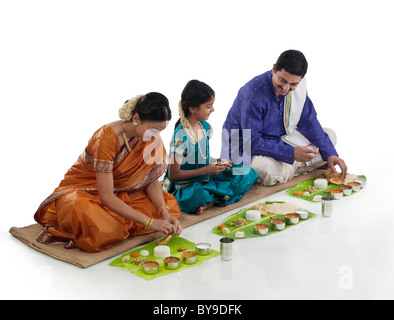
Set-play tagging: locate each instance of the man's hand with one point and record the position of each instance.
(332, 161)
(304, 154)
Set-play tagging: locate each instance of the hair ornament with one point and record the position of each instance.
(127, 110)
(186, 124)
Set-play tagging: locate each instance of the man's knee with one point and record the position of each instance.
(331, 134)
(271, 171)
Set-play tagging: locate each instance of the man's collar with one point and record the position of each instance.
(272, 86)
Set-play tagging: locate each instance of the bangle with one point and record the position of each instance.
(164, 207)
(149, 223)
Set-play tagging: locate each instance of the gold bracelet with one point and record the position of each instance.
(164, 206)
(148, 223)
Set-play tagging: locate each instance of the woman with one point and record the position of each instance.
(196, 180)
(112, 191)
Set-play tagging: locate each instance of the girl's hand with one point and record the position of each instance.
(213, 169)
(227, 164)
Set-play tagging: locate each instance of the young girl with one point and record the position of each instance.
(196, 180)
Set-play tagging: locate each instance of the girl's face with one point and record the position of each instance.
(204, 110)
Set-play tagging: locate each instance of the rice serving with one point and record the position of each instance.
(320, 183)
(161, 251)
(253, 215)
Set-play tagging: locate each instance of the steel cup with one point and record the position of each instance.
(203, 248)
(327, 206)
(304, 214)
(226, 248)
(171, 263)
(151, 267)
(189, 257)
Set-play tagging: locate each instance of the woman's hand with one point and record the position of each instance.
(166, 227)
(169, 224)
(176, 227)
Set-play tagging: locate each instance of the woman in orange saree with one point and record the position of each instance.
(112, 191)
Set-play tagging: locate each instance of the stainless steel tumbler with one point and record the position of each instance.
(327, 206)
(226, 248)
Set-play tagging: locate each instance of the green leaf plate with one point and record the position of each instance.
(307, 183)
(174, 244)
(249, 228)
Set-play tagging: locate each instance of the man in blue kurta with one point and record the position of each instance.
(273, 127)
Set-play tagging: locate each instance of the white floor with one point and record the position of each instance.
(347, 256)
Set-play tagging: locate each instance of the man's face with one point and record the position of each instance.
(284, 82)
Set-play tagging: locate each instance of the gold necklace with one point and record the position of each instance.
(206, 141)
(125, 137)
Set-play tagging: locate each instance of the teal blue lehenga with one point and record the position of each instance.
(222, 189)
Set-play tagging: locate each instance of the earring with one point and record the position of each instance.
(135, 124)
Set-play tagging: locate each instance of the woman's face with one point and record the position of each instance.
(146, 130)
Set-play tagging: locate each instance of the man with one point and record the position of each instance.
(273, 127)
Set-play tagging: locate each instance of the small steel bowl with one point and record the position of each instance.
(203, 248)
(292, 218)
(356, 186)
(151, 267)
(260, 229)
(361, 181)
(347, 190)
(304, 213)
(278, 224)
(337, 194)
(171, 263)
(189, 257)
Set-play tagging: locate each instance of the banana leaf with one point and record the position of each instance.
(175, 243)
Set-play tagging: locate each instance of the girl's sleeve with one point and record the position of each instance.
(179, 143)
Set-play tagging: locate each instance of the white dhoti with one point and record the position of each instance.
(272, 171)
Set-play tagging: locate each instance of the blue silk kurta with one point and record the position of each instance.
(222, 189)
(257, 108)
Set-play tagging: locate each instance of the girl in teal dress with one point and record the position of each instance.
(195, 179)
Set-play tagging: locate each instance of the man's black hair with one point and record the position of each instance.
(292, 61)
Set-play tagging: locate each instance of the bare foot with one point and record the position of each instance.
(201, 209)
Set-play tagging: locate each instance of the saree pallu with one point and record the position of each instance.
(74, 210)
(222, 189)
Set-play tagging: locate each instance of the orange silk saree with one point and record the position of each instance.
(74, 210)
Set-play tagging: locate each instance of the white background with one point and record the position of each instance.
(66, 67)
